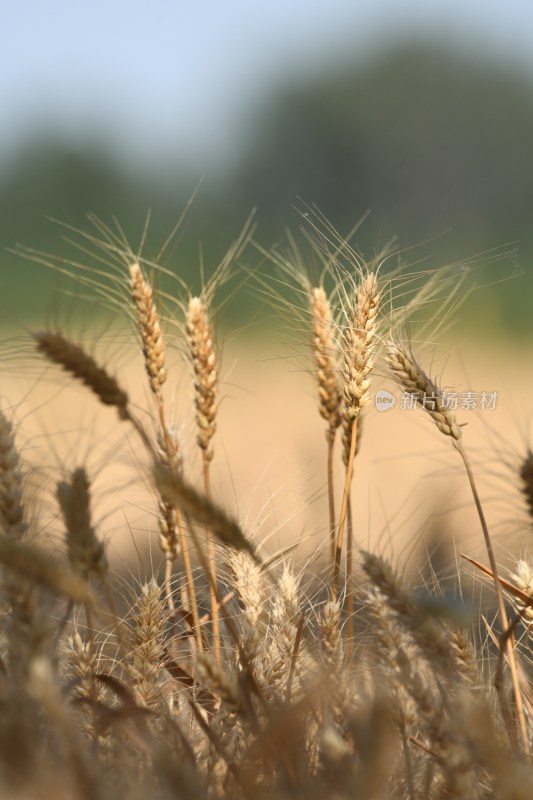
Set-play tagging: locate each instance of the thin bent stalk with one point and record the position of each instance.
(211, 560)
(414, 380)
(204, 361)
(358, 361)
(331, 495)
(509, 644)
(344, 508)
(349, 582)
(190, 588)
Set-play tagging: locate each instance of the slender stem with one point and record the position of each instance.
(407, 758)
(344, 508)
(211, 559)
(168, 584)
(89, 622)
(190, 586)
(294, 656)
(191, 589)
(331, 492)
(349, 582)
(228, 617)
(509, 644)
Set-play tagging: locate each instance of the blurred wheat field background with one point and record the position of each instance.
(269, 464)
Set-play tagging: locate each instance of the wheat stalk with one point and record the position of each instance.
(347, 446)
(204, 361)
(413, 380)
(172, 534)
(358, 350)
(329, 393)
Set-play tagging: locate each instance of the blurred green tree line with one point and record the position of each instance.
(436, 144)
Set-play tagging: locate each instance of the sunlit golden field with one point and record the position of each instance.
(269, 464)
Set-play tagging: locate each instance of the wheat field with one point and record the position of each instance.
(227, 573)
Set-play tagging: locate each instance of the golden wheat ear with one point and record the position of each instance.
(359, 346)
(147, 319)
(414, 381)
(204, 361)
(325, 354)
(146, 655)
(358, 350)
(149, 328)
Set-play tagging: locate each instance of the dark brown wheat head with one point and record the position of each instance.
(73, 359)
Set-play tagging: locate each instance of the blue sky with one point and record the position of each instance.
(186, 76)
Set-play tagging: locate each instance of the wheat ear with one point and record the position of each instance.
(428, 635)
(204, 361)
(11, 506)
(24, 622)
(172, 534)
(149, 328)
(526, 477)
(358, 353)
(84, 664)
(147, 645)
(413, 380)
(202, 509)
(329, 393)
(73, 359)
(85, 552)
(34, 564)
